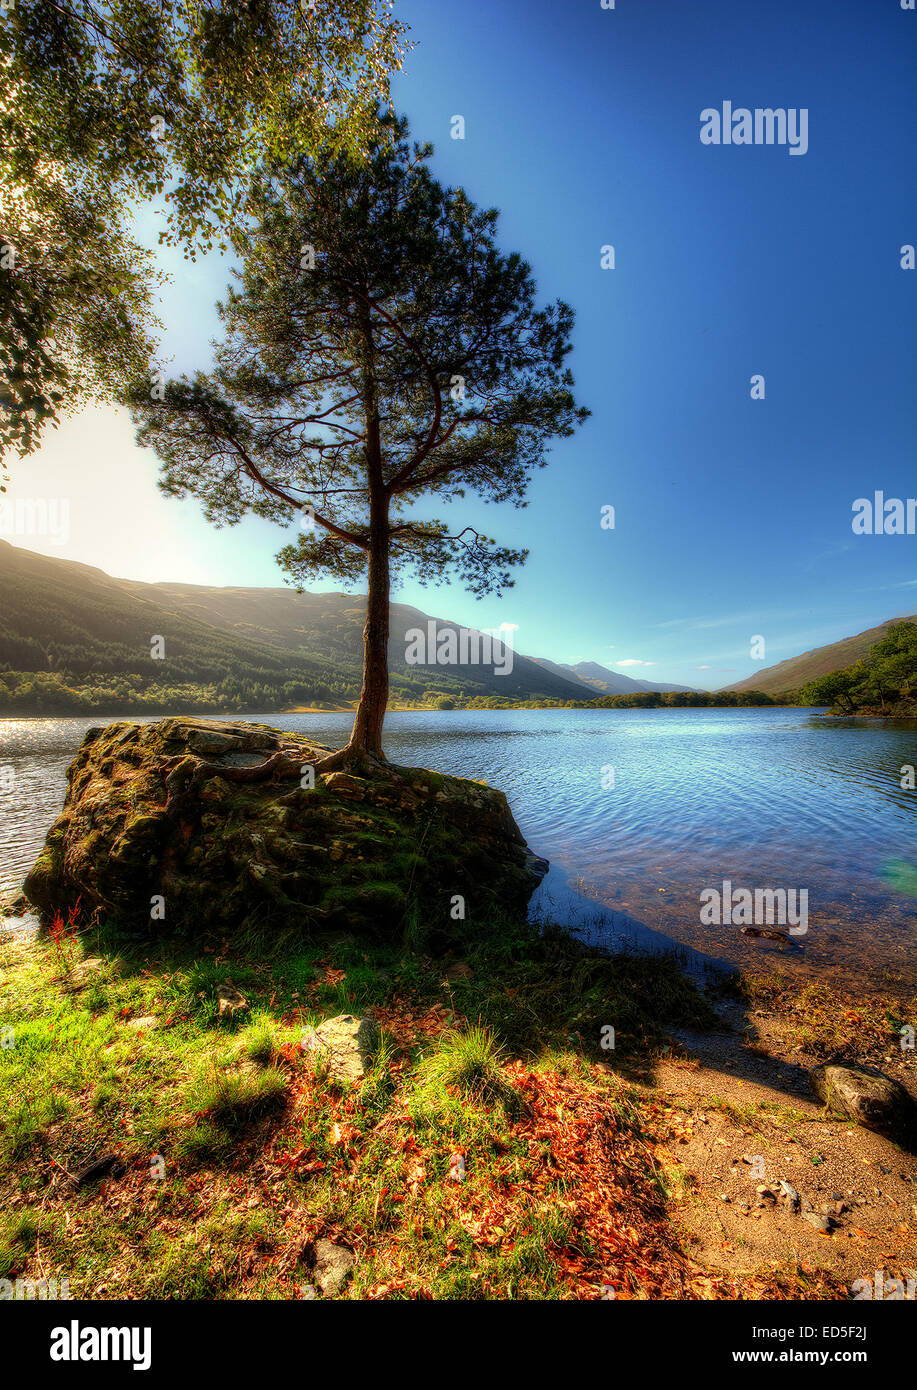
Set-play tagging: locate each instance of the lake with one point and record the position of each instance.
(762, 798)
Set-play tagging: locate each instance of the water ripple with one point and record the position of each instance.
(640, 806)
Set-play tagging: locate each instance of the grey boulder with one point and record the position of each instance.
(867, 1097)
(332, 1267)
(345, 1044)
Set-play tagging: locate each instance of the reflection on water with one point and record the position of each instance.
(763, 798)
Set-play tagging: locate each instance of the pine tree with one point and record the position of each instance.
(379, 348)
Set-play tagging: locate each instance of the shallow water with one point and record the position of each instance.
(762, 798)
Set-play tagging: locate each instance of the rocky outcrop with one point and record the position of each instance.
(866, 1096)
(205, 824)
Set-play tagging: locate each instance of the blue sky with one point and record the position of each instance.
(733, 516)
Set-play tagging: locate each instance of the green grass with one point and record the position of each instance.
(238, 1152)
(17, 1238)
(536, 991)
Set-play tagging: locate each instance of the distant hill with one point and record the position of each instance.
(594, 677)
(798, 670)
(565, 673)
(76, 628)
(613, 683)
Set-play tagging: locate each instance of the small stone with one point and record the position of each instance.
(332, 1267)
(347, 1044)
(817, 1221)
(79, 975)
(725, 1197)
(459, 970)
(109, 1166)
(92, 965)
(147, 1024)
(231, 1002)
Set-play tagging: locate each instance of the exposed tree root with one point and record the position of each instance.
(277, 765)
(349, 759)
(187, 775)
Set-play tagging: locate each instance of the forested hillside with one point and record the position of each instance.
(73, 638)
(791, 675)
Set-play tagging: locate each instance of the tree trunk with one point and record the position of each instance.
(366, 736)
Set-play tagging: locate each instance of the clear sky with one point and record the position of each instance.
(732, 515)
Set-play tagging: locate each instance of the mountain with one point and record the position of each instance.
(593, 677)
(798, 670)
(565, 673)
(613, 683)
(73, 627)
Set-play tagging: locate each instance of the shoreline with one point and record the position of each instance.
(126, 712)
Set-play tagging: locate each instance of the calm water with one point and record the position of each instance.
(763, 798)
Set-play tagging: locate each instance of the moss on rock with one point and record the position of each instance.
(188, 812)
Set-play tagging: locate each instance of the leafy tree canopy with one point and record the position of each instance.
(107, 101)
(887, 673)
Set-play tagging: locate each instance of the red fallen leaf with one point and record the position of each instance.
(295, 1160)
(383, 1290)
(416, 1177)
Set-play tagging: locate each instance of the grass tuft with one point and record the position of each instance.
(259, 1044)
(469, 1062)
(234, 1099)
(18, 1235)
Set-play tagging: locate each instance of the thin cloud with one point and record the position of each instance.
(755, 617)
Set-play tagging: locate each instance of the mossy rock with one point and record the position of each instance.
(177, 825)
